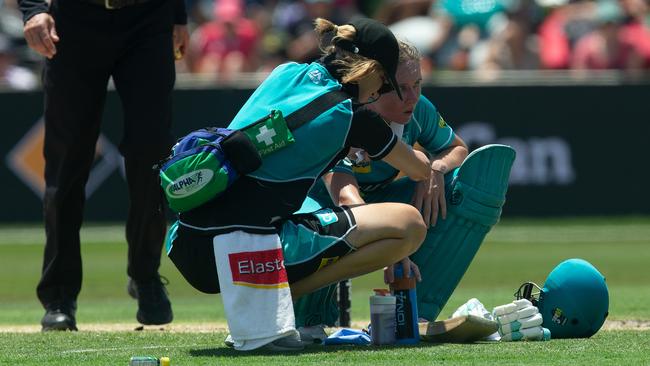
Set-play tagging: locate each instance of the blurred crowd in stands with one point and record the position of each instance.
(229, 37)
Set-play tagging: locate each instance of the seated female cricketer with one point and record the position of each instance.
(357, 180)
(233, 244)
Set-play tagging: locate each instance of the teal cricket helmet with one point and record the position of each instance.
(574, 301)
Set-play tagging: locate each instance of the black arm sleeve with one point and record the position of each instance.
(29, 8)
(371, 133)
(180, 14)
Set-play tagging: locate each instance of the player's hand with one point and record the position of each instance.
(422, 157)
(181, 41)
(40, 34)
(389, 271)
(429, 198)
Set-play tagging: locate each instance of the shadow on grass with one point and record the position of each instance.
(315, 349)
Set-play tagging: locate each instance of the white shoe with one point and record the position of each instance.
(314, 334)
(288, 343)
(229, 342)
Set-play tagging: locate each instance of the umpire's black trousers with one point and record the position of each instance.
(133, 45)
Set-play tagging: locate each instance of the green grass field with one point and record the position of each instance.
(514, 252)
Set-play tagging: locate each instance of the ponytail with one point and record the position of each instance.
(353, 66)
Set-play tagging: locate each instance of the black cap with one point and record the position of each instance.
(375, 41)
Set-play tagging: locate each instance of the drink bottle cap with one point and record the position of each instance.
(381, 292)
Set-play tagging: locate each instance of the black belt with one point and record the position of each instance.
(116, 4)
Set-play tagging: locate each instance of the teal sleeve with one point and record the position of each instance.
(434, 133)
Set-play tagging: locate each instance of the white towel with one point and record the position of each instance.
(254, 288)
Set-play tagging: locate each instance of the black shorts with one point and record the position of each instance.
(310, 242)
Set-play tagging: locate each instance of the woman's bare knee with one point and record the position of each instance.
(388, 221)
(415, 228)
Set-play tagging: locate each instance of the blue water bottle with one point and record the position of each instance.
(406, 309)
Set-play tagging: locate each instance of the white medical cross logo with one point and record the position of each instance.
(266, 135)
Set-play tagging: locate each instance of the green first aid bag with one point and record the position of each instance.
(204, 163)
